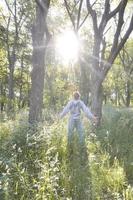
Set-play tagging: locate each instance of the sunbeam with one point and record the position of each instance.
(67, 46)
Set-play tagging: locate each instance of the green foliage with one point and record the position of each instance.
(116, 136)
(31, 166)
(119, 82)
(36, 162)
(58, 87)
(108, 180)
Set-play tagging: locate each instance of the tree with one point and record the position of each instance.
(101, 63)
(40, 38)
(22, 79)
(13, 28)
(3, 78)
(3, 68)
(103, 57)
(78, 16)
(127, 63)
(114, 85)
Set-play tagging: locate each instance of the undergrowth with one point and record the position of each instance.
(36, 163)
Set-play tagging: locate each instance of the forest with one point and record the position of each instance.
(51, 50)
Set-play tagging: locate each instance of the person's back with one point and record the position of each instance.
(74, 107)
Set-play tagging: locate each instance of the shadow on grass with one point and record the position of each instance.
(78, 170)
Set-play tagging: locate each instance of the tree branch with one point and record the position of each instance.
(119, 47)
(128, 58)
(79, 13)
(42, 6)
(106, 31)
(69, 13)
(124, 39)
(119, 26)
(76, 3)
(7, 4)
(21, 18)
(3, 17)
(104, 17)
(93, 15)
(114, 12)
(83, 21)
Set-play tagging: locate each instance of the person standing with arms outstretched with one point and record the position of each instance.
(75, 106)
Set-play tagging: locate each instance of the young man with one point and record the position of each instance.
(74, 107)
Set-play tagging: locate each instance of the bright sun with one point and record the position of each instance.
(67, 46)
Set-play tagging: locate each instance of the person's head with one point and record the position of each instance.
(76, 95)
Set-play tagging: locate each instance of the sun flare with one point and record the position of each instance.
(67, 46)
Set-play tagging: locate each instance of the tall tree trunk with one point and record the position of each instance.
(11, 51)
(96, 80)
(39, 37)
(12, 61)
(96, 96)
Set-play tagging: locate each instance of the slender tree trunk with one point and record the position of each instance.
(2, 93)
(21, 82)
(12, 61)
(128, 94)
(39, 32)
(11, 51)
(116, 97)
(11, 91)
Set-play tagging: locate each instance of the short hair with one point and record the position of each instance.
(76, 95)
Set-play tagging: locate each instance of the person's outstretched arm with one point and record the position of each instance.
(65, 110)
(87, 111)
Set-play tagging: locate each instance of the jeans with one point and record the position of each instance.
(72, 124)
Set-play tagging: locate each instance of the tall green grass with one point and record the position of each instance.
(116, 136)
(36, 163)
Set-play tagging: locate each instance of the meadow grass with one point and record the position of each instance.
(36, 163)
